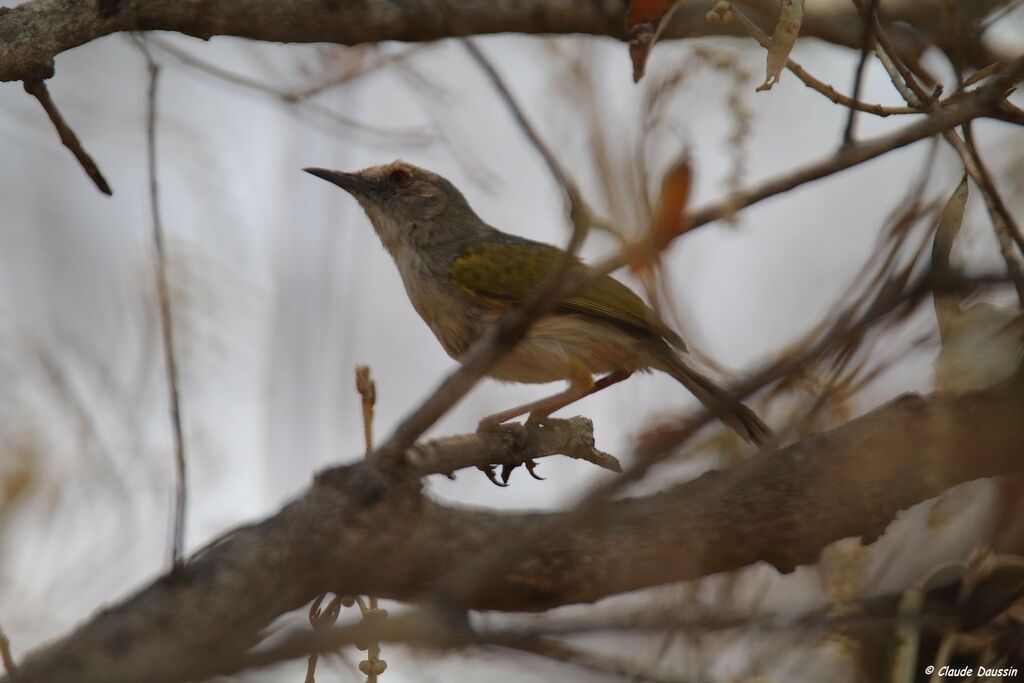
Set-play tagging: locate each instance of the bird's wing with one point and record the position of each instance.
(507, 272)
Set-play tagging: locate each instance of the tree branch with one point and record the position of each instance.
(781, 509)
(35, 32)
(38, 90)
(573, 438)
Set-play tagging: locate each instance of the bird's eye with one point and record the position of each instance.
(399, 177)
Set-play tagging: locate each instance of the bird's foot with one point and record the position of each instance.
(531, 467)
(489, 471)
(539, 418)
(520, 434)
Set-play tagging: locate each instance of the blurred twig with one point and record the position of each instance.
(166, 319)
(580, 213)
(1003, 224)
(319, 619)
(37, 88)
(302, 98)
(373, 665)
(1006, 229)
(858, 78)
(431, 629)
(367, 389)
(5, 655)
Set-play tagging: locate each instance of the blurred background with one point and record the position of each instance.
(279, 288)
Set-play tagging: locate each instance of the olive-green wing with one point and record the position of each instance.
(506, 272)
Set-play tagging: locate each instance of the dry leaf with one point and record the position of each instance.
(947, 308)
(981, 346)
(791, 14)
(645, 19)
(670, 217)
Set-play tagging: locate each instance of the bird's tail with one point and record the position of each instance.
(724, 405)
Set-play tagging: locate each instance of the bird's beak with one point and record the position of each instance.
(350, 182)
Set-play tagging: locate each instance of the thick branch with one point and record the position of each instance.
(35, 32)
(363, 530)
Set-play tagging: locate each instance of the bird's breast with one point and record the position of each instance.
(455, 320)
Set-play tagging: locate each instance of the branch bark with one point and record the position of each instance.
(35, 32)
(361, 529)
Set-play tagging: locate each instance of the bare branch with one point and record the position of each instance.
(1003, 223)
(818, 85)
(166, 321)
(35, 32)
(5, 655)
(557, 172)
(870, 13)
(37, 88)
(303, 99)
(573, 438)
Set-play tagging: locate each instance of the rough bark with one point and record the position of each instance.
(35, 32)
(363, 530)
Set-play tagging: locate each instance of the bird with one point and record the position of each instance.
(461, 275)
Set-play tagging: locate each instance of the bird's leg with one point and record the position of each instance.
(559, 401)
(543, 407)
(580, 386)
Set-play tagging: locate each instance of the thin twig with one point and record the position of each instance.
(572, 438)
(1003, 224)
(367, 389)
(1005, 227)
(321, 619)
(324, 619)
(301, 99)
(579, 211)
(538, 143)
(428, 628)
(166, 320)
(389, 59)
(820, 86)
(858, 78)
(37, 88)
(5, 655)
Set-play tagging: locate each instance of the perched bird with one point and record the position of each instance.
(461, 275)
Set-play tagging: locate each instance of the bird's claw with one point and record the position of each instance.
(531, 466)
(489, 471)
(520, 433)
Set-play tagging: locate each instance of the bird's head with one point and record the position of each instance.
(407, 205)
